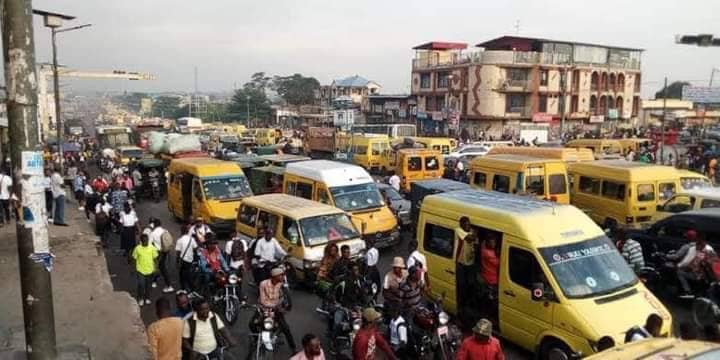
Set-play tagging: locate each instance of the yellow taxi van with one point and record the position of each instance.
(413, 164)
(634, 144)
(265, 137)
(562, 284)
(602, 148)
(520, 174)
(371, 151)
(302, 227)
(621, 193)
(661, 349)
(691, 180)
(126, 154)
(348, 187)
(206, 188)
(441, 144)
(565, 154)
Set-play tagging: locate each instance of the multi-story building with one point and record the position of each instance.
(355, 88)
(513, 80)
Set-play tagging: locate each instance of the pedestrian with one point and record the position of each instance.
(79, 189)
(394, 181)
(102, 220)
(165, 334)
(185, 257)
(130, 228)
(47, 184)
(368, 339)
(91, 200)
(58, 191)
(164, 242)
(204, 332)
(145, 256)
(631, 250)
(6, 184)
(417, 259)
(182, 305)
(465, 266)
(372, 257)
(482, 345)
(312, 350)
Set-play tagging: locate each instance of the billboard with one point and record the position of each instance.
(701, 94)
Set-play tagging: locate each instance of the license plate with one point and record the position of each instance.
(443, 330)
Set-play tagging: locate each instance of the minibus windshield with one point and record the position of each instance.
(588, 268)
(322, 229)
(688, 183)
(356, 197)
(132, 153)
(226, 188)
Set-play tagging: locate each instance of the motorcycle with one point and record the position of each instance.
(264, 332)
(227, 299)
(432, 333)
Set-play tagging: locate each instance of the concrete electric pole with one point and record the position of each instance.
(26, 155)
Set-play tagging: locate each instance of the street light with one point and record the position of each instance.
(54, 22)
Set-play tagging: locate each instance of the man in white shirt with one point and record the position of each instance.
(418, 260)
(267, 249)
(398, 332)
(6, 184)
(202, 330)
(155, 236)
(185, 250)
(394, 181)
(690, 267)
(57, 186)
(199, 230)
(372, 256)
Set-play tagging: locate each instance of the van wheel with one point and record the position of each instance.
(555, 350)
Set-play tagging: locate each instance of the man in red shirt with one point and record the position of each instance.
(368, 339)
(482, 345)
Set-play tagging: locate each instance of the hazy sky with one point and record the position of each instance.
(230, 39)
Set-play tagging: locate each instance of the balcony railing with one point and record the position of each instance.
(513, 85)
(454, 59)
(510, 57)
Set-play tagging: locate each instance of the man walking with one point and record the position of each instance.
(57, 187)
(6, 184)
(185, 255)
(145, 256)
(163, 241)
(165, 334)
(482, 345)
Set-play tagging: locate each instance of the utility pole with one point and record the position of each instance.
(56, 90)
(662, 123)
(27, 161)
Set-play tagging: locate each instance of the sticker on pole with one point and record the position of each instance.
(537, 293)
(32, 163)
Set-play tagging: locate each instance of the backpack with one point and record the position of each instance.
(192, 323)
(167, 243)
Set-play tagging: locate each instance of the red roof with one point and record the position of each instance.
(441, 45)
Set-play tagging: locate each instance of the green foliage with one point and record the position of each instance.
(674, 90)
(296, 89)
(167, 106)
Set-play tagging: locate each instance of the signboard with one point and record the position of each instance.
(594, 119)
(421, 114)
(437, 115)
(542, 118)
(701, 94)
(612, 114)
(392, 105)
(402, 113)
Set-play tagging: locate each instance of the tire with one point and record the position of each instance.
(231, 308)
(555, 350)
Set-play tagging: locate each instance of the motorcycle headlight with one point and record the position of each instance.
(443, 318)
(308, 264)
(356, 324)
(233, 279)
(268, 324)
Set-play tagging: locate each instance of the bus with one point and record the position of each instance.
(394, 131)
(113, 136)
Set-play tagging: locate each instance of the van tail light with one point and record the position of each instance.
(628, 219)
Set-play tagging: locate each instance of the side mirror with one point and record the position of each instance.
(540, 293)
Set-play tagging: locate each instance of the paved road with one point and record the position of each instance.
(302, 318)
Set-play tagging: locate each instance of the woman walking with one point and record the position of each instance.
(130, 228)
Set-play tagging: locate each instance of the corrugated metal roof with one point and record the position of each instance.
(352, 81)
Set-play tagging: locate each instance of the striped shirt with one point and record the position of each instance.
(632, 252)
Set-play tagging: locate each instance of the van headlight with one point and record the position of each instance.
(268, 324)
(443, 318)
(233, 279)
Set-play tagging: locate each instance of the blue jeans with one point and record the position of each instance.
(59, 217)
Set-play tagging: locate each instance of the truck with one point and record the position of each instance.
(326, 143)
(113, 136)
(187, 125)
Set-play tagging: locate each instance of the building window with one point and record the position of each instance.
(439, 103)
(574, 104)
(424, 81)
(594, 80)
(637, 83)
(515, 103)
(443, 80)
(593, 105)
(542, 103)
(621, 82)
(517, 77)
(635, 105)
(576, 80)
(543, 77)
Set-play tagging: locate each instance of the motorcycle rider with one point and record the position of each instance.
(270, 291)
(267, 250)
(398, 333)
(691, 267)
(411, 290)
(211, 260)
(631, 250)
(199, 230)
(350, 289)
(391, 285)
(342, 266)
(331, 254)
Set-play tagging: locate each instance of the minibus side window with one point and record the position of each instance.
(431, 163)
(247, 215)
(524, 268)
(197, 190)
(304, 190)
(361, 149)
(480, 179)
(613, 190)
(376, 148)
(445, 149)
(267, 220)
(290, 231)
(646, 192)
(414, 163)
(439, 240)
(589, 185)
(501, 183)
(667, 190)
(707, 203)
(535, 183)
(557, 184)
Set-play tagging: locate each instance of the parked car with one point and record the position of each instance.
(398, 204)
(694, 199)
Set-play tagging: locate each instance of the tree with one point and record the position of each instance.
(251, 102)
(674, 90)
(166, 106)
(296, 89)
